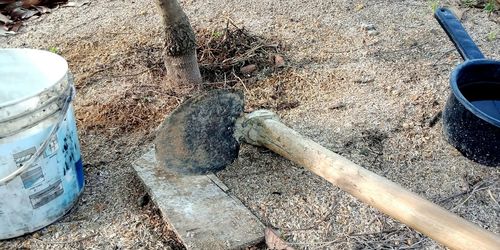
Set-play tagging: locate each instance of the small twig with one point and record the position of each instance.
(247, 174)
(81, 24)
(66, 242)
(226, 30)
(129, 75)
(118, 33)
(477, 188)
(218, 83)
(98, 71)
(343, 51)
(232, 23)
(241, 81)
(247, 55)
(74, 221)
(330, 243)
(317, 243)
(116, 76)
(314, 225)
(345, 239)
(493, 198)
(388, 231)
(452, 197)
(225, 79)
(442, 55)
(474, 188)
(417, 46)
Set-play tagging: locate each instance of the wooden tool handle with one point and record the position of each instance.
(262, 128)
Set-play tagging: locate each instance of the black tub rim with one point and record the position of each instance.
(461, 98)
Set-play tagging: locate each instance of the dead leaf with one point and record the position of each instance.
(77, 3)
(11, 6)
(4, 32)
(279, 61)
(16, 26)
(4, 19)
(248, 69)
(274, 242)
(22, 13)
(43, 9)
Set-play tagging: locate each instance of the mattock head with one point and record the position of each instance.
(197, 137)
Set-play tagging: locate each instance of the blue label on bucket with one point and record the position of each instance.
(79, 173)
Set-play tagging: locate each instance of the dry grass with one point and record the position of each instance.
(121, 85)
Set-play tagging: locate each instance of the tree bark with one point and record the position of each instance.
(180, 44)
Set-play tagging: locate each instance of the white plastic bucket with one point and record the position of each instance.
(41, 172)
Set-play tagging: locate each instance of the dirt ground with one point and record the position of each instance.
(367, 79)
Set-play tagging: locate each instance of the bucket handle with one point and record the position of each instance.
(41, 149)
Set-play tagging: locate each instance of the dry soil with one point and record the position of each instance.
(367, 79)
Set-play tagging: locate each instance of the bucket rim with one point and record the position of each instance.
(61, 59)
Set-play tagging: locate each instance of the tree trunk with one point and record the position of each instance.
(180, 44)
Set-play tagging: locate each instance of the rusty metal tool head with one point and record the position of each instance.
(197, 137)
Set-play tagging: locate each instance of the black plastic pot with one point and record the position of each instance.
(471, 118)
